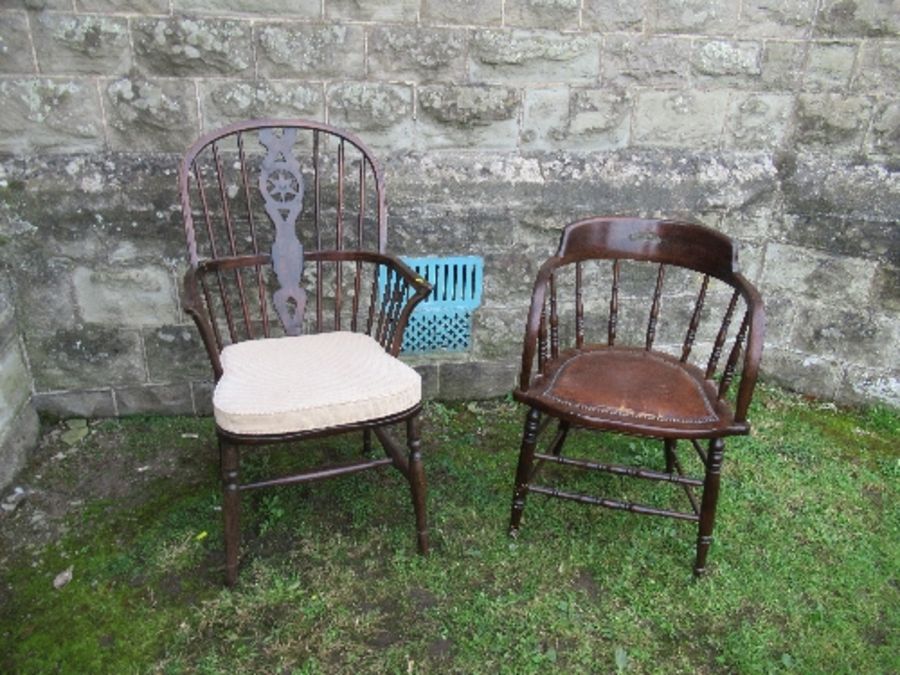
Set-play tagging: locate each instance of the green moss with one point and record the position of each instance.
(802, 571)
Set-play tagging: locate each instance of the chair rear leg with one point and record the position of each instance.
(230, 462)
(708, 505)
(367, 442)
(523, 472)
(417, 482)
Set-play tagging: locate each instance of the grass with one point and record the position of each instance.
(803, 572)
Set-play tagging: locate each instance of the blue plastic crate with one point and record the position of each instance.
(443, 320)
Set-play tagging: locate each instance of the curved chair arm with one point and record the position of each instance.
(196, 309)
(753, 349)
(533, 325)
(390, 322)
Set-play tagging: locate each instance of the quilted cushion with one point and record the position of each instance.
(290, 384)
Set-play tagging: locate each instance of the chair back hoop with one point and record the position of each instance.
(261, 199)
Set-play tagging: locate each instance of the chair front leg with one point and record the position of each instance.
(417, 482)
(229, 457)
(708, 504)
(523, 472)
(669, 451)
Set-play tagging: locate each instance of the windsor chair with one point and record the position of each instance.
(300, 309)
(627, 383)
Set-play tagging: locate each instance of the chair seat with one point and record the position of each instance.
(633, 390)
(310, 382)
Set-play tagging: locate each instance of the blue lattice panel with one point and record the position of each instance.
(443, 321)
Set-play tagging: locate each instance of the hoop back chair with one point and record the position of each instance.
(678, 391)
(300, 309)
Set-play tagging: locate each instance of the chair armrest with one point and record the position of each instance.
(195, 308)
(394, 310)
(533, 322)
(753, 351)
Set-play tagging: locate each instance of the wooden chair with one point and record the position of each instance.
(272, 208)
(639, 389)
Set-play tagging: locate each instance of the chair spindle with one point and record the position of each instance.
(733, 357)
(579, 308)
(554, 321)
(695, 321)
(654, 308)
(317, 210)
(720, 338)
(254, 240)
(614, 305)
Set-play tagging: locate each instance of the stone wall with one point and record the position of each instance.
(498, 121)
(18, 421)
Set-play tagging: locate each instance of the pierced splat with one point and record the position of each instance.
(281, 186)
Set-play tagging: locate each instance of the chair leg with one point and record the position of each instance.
(708, 505)
(670, 444)
(367, 442)
(417, 482)
(526, 459)
(230, 461)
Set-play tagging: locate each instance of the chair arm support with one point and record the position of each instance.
(195, 308)
(533, 322)
(754, 347)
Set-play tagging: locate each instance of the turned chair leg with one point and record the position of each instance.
(417, 482)
(231, 503)
(708, 505)
(669, 450)
(523, 472)
(367, 442)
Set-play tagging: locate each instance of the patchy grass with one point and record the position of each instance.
(803, 571)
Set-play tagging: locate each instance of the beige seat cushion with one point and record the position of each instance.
(289, 384)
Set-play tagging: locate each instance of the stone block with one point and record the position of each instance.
(395, 11)
(312, 51)
(829, 66)
(509, 275)
(15, 48)
(581, 119)
(469, 12)
(886, 289)
(175, 353)
(854, 335)
(477, 379)
(380, 113)
(871, 385)
(650, 61)
(714, 17)
(497, 333)
(758, 122)
(120, 296)
(85, 357)
(428, 370)
(843, 281)
(782, 65)
(785, 19)
(168, 399)
(807, 373)
(831, 123)
(45, 294)
(518, 56)
(17, 439)
(468, 116)
(124, 6)
(729, 63)
(555, 14)
(151, 115)
(76, 403)
(884, 138)
(857, 18)
(422, 54)
(68, 43)
(15, 383)
(186, 46)
(879, 67)
(608, 16)
(781, 317)
(203, 394)
(41, 115)
(225, 101)
(308, 9)
(687, 119)
(38, 5)
(870, 239)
